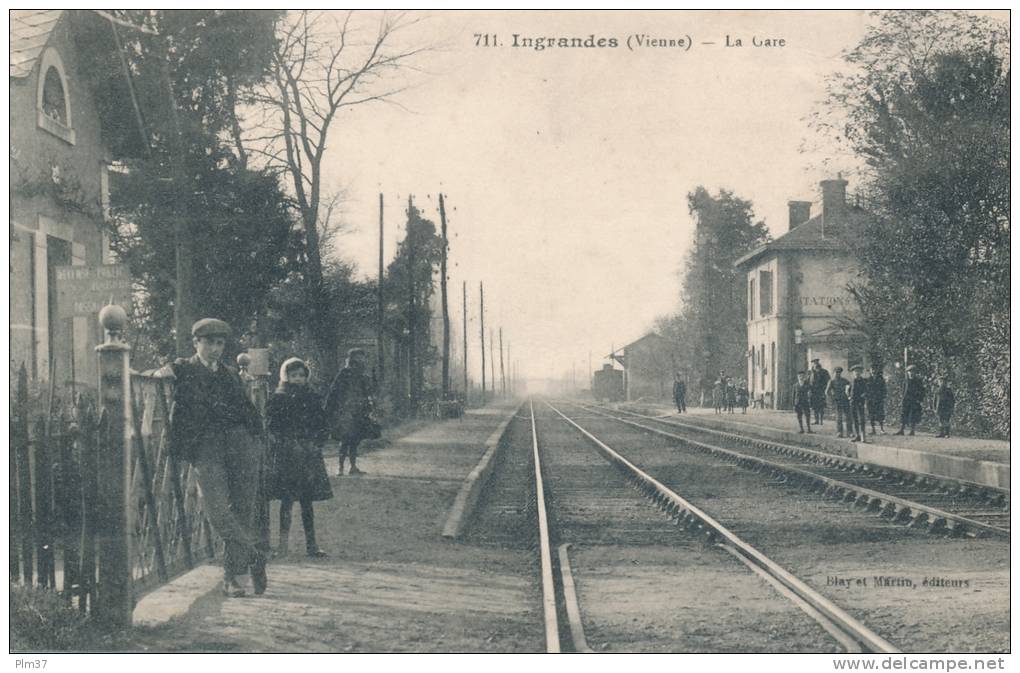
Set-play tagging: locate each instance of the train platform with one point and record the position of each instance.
(982, 461)
(391, 582)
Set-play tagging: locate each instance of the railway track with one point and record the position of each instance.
(583, 499)
(940, 505)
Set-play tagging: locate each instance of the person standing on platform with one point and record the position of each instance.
(819, 379)
(349, 407)
(742, 396)
(876, 398)
(913, 401)
(731, 395)
(215, 427)
(802, 401)
(680, 392)
(839, 390)
(858, 404)
(297, 424)
(945, 403)
(718, 395)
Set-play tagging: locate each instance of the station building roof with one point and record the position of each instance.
(815, 234)
(30, 31)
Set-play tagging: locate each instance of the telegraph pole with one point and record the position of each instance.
(502, 374)
(492, 363)
(411, 326)
(465, 347)
(481, 300)
(446, 310)
(379, 309)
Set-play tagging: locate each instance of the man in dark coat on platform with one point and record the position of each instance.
(215, 427)
(680, 392)
(876, 398)
(839, 390)
(349, 406)
(819, 380)
(945, 404)
(858, 404)
(913, 399)
(802, 401)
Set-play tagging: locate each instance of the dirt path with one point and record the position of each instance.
(391, 583)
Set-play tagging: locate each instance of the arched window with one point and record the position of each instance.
(54, 104)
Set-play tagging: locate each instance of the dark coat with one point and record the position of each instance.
(819, 382)
(858, 391)
(206, 403)
(679, 390)
(913, 396)
(742, 396)
(348, 403)
(297, 425)
(876, 389)
(802, 393)
(945, 402)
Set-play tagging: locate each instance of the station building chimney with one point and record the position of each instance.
(800, 212)
(833, 197)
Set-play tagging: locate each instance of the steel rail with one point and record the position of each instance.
(552, 628)
(899, 509)
(818, 456)
(691, 517)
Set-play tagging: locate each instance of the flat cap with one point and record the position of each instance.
(857, 368)
(838, 369)
(816, 360)
(911, 368)
(210, 327)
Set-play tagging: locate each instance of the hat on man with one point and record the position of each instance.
(857, 368)
(210, 327)
(838, 370)
(816, 361)
(911, 368)
(356, 352)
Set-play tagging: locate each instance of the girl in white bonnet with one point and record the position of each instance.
(298, 427)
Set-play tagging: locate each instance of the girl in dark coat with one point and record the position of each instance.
(298, 427)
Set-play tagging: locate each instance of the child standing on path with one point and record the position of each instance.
(297, 424)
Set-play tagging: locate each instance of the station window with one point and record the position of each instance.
(765, 300)
(54, 104)
(53, 109)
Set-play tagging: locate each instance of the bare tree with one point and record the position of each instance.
(323, 62)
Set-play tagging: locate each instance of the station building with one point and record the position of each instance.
(798, 304)
(59, 181)
(648, 366)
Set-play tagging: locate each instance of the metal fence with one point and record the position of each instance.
(65, 500)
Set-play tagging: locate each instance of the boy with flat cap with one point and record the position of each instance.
(215, 427)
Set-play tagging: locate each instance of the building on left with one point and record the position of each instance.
(66, 85)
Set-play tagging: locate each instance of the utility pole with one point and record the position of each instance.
(465, 347)
(380, 348)
(412, 364)
(492, 363)
(510, 364)
(502, 374)
(481, 300)
(446, 310)
(183, 310)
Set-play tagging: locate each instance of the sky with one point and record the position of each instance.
(565, 171)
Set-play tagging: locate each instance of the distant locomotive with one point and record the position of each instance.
(607, 384)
